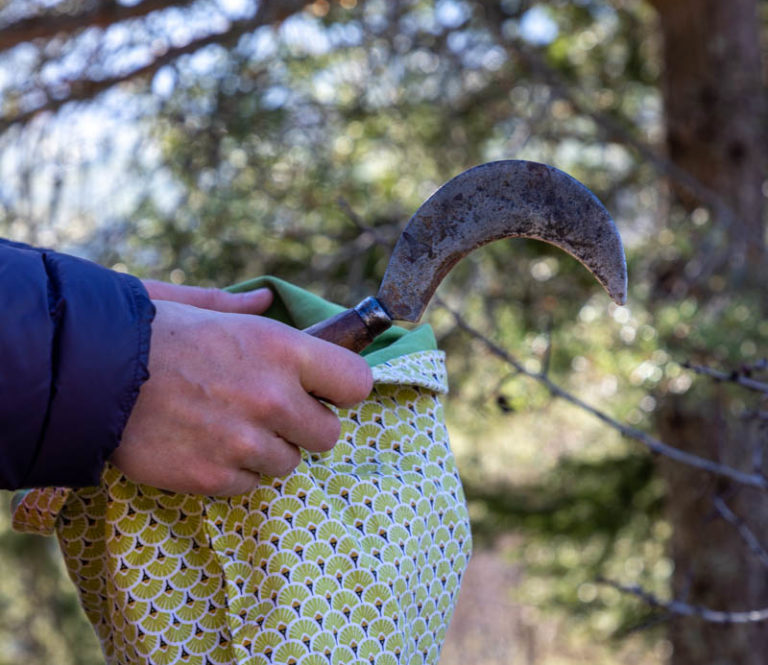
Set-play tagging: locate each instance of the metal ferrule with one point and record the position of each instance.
(374, 316)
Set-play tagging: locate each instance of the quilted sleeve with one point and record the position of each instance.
(74, 347)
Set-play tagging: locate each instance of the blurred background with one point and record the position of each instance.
(210, 141)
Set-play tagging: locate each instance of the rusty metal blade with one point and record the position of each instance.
(506, 199)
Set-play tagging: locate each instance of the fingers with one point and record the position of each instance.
(241, 481)
(218, 482)
(280, 407)
(335, 374)
(269, 455)
(233, 396)
(250, 302)
(310, 425)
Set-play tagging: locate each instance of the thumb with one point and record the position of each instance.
(250, 302)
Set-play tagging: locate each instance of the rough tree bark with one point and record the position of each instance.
(713, 100)
(714, 109)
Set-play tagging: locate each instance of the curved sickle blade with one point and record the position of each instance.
(506, 199)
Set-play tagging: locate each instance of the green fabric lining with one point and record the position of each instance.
(301, 309)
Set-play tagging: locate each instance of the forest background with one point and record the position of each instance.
(209, 141)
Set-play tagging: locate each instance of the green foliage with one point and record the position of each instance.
(303, 150)
(587, 520)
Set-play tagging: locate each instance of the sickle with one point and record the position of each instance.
(506, 199)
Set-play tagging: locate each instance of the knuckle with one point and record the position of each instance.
(364, 379)
(215, 481)
(270, 402)
(291, 461)
(304, 353)
(243, 444)
(358, 381)
(331, 433)
(324, 433)
(210, 298)
(247, 483)
(275, 337)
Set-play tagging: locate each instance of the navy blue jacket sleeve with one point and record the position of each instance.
(74, 349)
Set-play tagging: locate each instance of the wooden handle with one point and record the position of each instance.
(346, 329)
(356, 328)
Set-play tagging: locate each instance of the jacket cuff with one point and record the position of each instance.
(101, 355)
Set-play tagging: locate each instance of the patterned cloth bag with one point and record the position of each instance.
(355, 557)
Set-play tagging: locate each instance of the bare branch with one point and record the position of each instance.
(352, 215)
(369, 235)
(84, 89)
(545, 363)
(759, 366)
(745, 532)
(684, 609)
(756, 480)
(647, 624)
(731, 377)
(102, 14)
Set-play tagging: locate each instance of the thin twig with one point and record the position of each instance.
(649, 623)
(368, 235)
(745, 532)
(545, 363)
(757, 456)
(758, 366)
(731, 377)
(351, 214)
(756, 480)
(684, 609)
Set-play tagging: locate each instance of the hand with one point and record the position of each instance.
(231, 395)
(249, 302)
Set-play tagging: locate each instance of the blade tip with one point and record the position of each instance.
(618, 292)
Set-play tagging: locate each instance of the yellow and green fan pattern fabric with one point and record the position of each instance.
(355, 557)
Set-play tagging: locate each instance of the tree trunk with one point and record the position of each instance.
(713, 565)
(713, 98)
(715, 111)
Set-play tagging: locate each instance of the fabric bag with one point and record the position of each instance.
(355, 557)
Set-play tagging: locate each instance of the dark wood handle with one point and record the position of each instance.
(346, 329)
(355, 328)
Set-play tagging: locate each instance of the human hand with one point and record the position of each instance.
(248, 302)
(232, 396)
